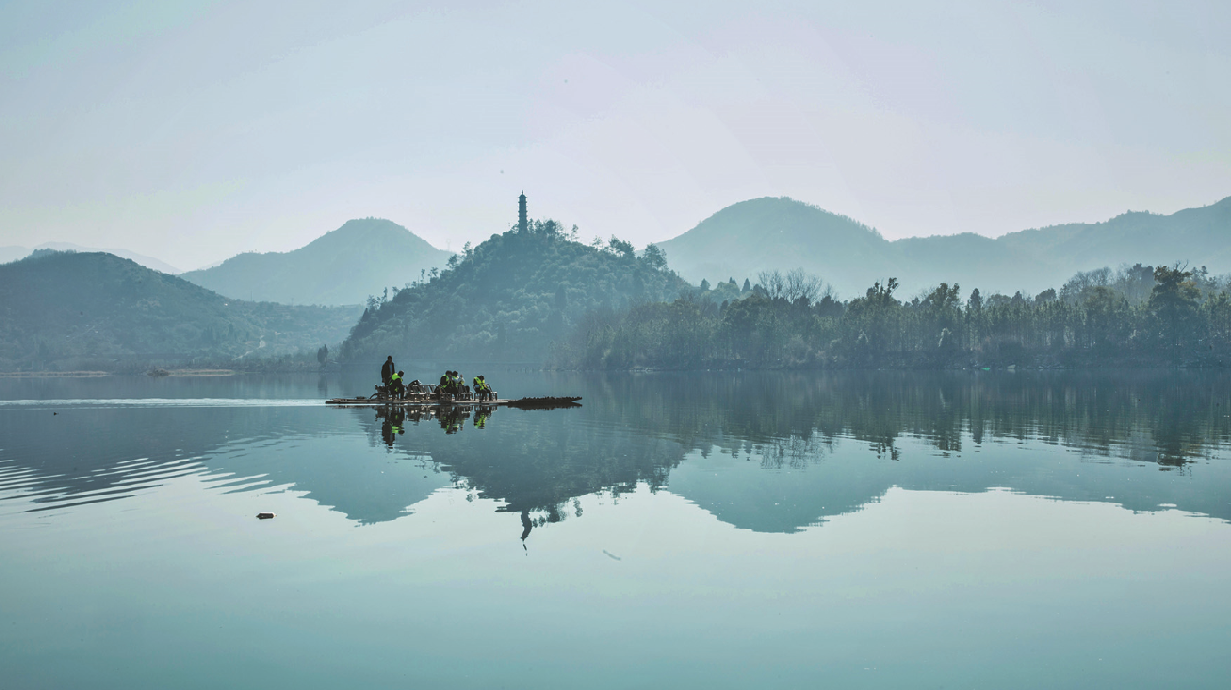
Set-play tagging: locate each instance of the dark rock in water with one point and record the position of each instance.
(265, 516)
(547, 403)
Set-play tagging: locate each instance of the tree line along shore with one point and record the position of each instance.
(1139, 316)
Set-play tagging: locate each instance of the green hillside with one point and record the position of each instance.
(345, 266)
(66, 310)
(508, 299)
(780, 233)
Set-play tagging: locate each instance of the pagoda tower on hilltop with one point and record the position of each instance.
(522, 223)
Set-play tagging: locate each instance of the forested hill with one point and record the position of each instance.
(779, 233)
(66, 310)
(508, 299)
(345, 266)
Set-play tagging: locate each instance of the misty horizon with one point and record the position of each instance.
(194, 132)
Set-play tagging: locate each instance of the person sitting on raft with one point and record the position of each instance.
(396, 388)
(481, 389)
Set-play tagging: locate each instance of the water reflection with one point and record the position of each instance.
(767, 452)
(393, 420)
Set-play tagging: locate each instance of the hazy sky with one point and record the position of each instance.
(193, 131)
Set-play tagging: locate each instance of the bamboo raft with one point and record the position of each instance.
(426, 396)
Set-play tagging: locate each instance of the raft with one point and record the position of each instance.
(546, 403)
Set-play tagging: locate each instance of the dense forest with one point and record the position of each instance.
(73, 311)
(509, 298)
(1137, 316)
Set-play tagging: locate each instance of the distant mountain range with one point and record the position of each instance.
(780, 233)
(345, 266)
(365, 256)
(8, 254)
(73, 310)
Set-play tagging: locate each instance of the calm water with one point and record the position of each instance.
(693, 530)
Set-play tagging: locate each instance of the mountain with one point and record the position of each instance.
(508, 299)
(361, 258)
(766, 234)
(8, 254)
(781, 233)
(71, 310)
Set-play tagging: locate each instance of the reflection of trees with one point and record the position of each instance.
(541, 462)
(793, 452)
(1182, 412)
(634, 429)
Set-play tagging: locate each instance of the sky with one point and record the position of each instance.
(192, 131)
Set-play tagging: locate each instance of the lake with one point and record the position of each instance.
(715, 530)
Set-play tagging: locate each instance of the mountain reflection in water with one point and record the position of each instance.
(771, 452)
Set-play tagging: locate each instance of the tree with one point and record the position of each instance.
(975, 303)
(655, 257)
(620, 247)
(705, 285)
(773, 282)
(1173, 306)
(322, 355)
(802, 285)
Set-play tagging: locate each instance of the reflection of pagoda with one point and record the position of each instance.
(522, 224)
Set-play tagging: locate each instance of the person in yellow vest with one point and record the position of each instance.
(396, 387)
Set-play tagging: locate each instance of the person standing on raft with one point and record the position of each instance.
(386, 372)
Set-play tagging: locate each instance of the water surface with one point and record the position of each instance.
(875, 529)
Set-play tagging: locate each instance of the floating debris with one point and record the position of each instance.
(547, 403)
